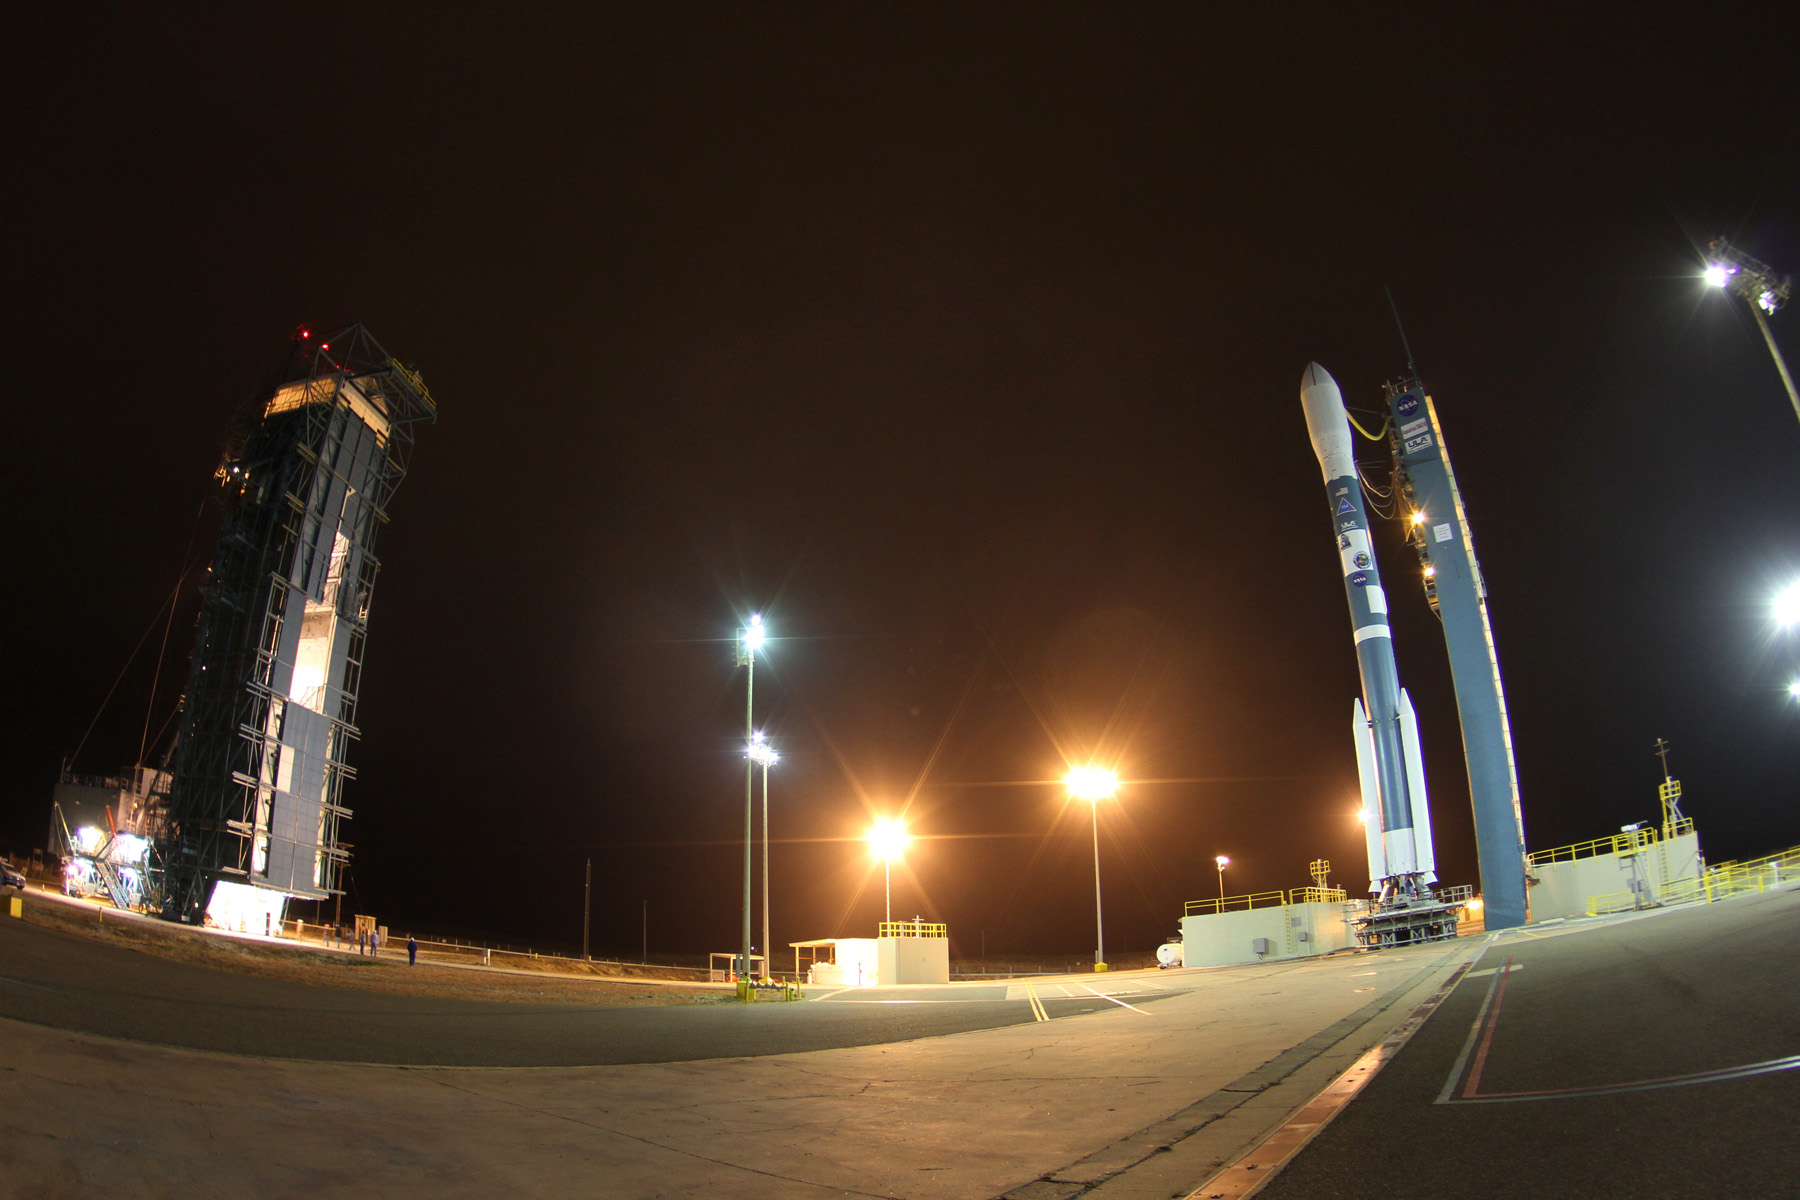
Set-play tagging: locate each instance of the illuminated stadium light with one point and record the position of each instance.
(889, 840)
(1787, 605)
(1756, 284)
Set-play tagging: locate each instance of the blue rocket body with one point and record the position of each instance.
(1384, 760)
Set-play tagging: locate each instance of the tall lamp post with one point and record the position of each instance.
(888, 840)
(749, 641)
(1755, 283)
(1222, 862)
(1094, 784)
(762, 752)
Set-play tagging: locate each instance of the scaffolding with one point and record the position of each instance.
(309, 469)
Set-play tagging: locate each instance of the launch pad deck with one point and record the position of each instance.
(1120, 1097)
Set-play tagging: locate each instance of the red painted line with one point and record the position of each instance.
(1487, 1035)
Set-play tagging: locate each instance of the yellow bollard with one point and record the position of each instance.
(16, 907)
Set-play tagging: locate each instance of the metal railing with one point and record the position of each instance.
(1715, 883)
(1618, 843)
(1306, 895)
(914, 929)
(451, 951)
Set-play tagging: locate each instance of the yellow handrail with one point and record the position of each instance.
(916, 929)
(1718, 882)
(1228, 903)
(1637, 839)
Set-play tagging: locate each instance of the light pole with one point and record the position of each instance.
(749, 641)
(1755, 283)
(1094, 784)
(888, 840)
(762, 752)
(1222, 862)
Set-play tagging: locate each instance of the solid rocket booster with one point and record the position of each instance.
(1388, 803)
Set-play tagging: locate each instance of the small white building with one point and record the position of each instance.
(904, 952)
(1267, 927)
(837, 962)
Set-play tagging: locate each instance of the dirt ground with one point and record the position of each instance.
(301, 963)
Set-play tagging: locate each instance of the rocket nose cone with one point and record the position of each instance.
(1326, 423)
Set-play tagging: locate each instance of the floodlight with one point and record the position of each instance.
(1092, 783)
(1787, 605)
(1756, 283)
(889, 838)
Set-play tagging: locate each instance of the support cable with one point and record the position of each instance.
(1373, 437)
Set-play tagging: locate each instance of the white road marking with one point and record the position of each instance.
(1118, 1002)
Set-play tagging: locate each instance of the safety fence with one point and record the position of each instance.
(1624, 842)
(454, 952)
(1307, 895)
(1715, 883)
(912, 929)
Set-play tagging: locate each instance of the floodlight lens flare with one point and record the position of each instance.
(889, 838)
(1222, 861)
(1092, 783)
(1787, 605)
(1715, 275)
(753, 636)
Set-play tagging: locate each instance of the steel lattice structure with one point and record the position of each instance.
(308, 472)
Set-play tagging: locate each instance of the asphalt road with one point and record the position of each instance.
(65, 982)
(1596, 1062)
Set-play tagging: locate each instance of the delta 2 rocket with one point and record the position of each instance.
(1395, 814)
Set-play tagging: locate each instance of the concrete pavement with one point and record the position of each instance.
(1635, 1056)
(1123, 1099)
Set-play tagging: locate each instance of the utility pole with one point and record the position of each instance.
(587, 905)
(646, 958)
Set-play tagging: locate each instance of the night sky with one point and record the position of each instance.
(965, 345)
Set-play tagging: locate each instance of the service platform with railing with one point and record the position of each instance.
(1715, 883)
(1626, 841)
(1306, 895)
